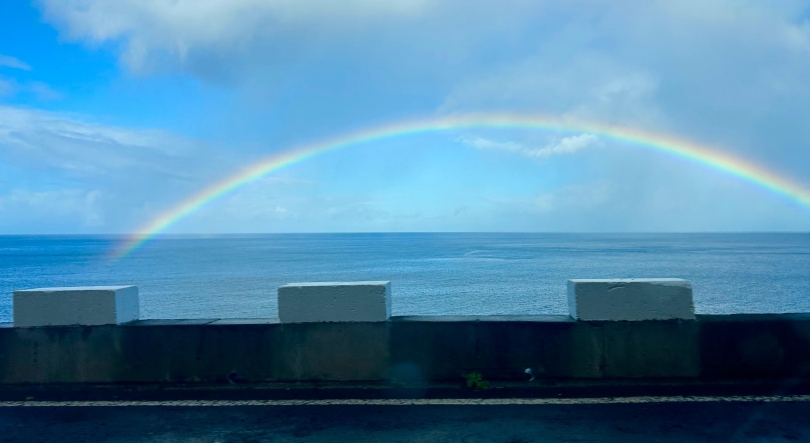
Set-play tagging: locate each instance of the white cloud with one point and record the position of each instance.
(11, 62)
(40, 139)
(565, 145)
(167, 34)
(655, 65)
(777, 24)
(584, 86)
(157, 31)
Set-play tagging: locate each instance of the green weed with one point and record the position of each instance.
(475, 381)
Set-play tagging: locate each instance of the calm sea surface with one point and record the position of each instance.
(237, 276)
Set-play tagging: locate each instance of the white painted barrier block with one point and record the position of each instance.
(88, 305)
(363, 301)
(630, 299)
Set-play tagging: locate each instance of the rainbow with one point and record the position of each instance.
(658, 142)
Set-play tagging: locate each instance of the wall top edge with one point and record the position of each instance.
(76, 289)
(702, 318)
(336, 283)
(628, 280)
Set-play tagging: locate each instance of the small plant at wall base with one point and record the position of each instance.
(475, 381)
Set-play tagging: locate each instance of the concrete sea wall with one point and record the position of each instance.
(618, 329)
(408, 350)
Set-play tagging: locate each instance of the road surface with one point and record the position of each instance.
(638, 419)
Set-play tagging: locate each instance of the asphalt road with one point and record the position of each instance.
(689, 421)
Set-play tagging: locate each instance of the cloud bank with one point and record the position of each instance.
(156, 33)
(565, 145)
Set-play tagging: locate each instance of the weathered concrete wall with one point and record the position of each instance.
(630, 299)
(755, 346)
(408, 350)
(194, 351)
(363, 301)
(88, 305)
(552, 346)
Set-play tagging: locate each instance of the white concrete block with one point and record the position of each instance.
(362, 301)
(89, 305)
(630, 299)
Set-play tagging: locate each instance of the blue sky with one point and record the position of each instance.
(113, 112)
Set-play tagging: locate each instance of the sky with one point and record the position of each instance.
(114, 113)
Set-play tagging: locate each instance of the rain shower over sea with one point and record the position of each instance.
(236, 276)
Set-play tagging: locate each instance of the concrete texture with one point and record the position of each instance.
(554, 348)
(632, 299)
(367, 301)
(603, 423)
(409, 351)
(91, 305)
(194, 352)
(769, 346)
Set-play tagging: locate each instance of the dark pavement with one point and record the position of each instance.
(646, 422)
(599, 411)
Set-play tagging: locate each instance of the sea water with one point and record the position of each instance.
(233, 276)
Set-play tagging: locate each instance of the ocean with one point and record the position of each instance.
(236, 276)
